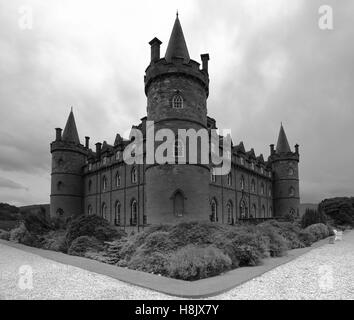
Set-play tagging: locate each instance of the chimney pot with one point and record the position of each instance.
(87, 142)
(58, 134)
(98, 149)
(155, 49)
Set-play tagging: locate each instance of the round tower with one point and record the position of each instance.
(68, 158)
(285, 167)
(177, 90)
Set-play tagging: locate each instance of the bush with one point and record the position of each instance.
(318, 230)
(36, 223)
(312, 216)
(84, 244)
(307, 238)
(192, 263)
(92, 226)
(4, 235)
(55, 241)
(22, 235)
(278, 245)
(156, 262)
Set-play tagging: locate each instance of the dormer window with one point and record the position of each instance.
(117, 155)
(262, 171)
(104, 160)
(242, 161)
(252, 165)
(177, 102)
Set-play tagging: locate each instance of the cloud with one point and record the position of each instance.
(9, 184)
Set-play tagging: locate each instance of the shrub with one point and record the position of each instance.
(307, 238)
(156, 262)
(55, 241)
(312, 216)
(94, 226)
(192, 263)
(22, 235)
(36, 223)
(83, 244)
(277, 243)
(4, 235)
(318, 230)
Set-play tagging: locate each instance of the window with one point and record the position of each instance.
(117, 214)
(262, 171)
(254, 211)
(134, 177)
(104, 161)
(179, 149)
(104, 211)
(117, 179)
(134, 213)
(118, 154)
(178, 204)
(242, 183)
(269, 191)
(90, 166)
(177, 102)
(89, 210)
(89, 185)
(270, 211)
(214, 211)
(291, 171)
(263, 211)
(229, 179)
(60, 162)
(242, 161)
(229, 212)
(212, 176)
(253, 186)
(104, 183)
(59, 186)
(60, 212)
(252, 165)
(262, 188)
(243, 210)
(291, 191)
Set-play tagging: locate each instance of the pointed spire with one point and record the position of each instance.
(177, 47)
(283, 144)
(70, 132)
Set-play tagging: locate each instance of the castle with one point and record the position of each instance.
(132, 196)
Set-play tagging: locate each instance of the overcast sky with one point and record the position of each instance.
(269, 62)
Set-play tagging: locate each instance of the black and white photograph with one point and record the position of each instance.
(179, 154)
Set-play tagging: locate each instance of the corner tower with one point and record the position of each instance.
(177, 89)
(285, 167)
(68, 158)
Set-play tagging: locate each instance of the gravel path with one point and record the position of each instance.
(53, 280)
(323, 273)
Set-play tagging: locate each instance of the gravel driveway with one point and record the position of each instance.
(323, 273)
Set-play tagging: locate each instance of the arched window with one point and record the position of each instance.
(229, 207)
(179, 148)
(177, 102)
(104, 211)
(60, 212)
(291, 171)
(117, 179)
(117, 214)
(59, 186)
(243, 210)
(242, 183)
(89, 210)
(292, 212)
(212, 176)
(242, 161)
(214, 211)
(89, 185)
(60, 162)
(134, 177)
(229, 179)
(134, 213)
(254, 211)
(252, 165)
(262, 188)
(118, 153)
(104, 183)
(269, 191)
(178, 204)
(291, 191)
(253, 186)
(263, 211)
(270, 211)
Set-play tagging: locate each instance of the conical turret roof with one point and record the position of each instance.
(282, 144)
(70, 133)
(177, 47)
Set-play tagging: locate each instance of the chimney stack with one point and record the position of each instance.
(98, 150)
(87, 142)
(272, 151)
(205, 59)
(155, 49)
(297, 149)
(58, 134)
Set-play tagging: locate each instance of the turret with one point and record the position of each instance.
(68, 159)
(177, 90)
(285, 169)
